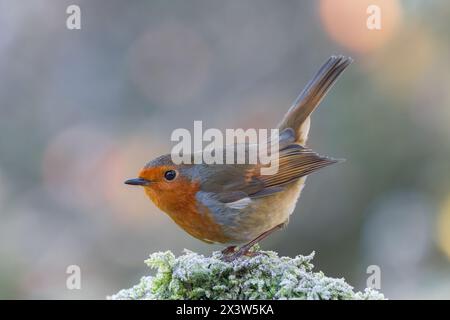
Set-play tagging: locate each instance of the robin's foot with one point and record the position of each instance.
(243, 251)
(228, 250)
(233, 256)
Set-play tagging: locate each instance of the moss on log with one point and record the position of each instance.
(263, 276)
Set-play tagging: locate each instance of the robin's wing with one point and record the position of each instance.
(295, 161)
(231, 183)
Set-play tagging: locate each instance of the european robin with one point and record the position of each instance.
(234, 204)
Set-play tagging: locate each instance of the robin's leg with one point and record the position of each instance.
(228, 250)
(244, 250)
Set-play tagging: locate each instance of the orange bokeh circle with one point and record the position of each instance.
(346, 22)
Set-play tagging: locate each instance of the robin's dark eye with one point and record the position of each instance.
(170, 175)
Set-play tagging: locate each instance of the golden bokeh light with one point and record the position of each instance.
(443, 227)
(346, 22)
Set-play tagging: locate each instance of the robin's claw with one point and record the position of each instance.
(229, 254)
(228, 250)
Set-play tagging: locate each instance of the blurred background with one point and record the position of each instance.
(83, 110)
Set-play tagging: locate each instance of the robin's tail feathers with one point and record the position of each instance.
(314, 92)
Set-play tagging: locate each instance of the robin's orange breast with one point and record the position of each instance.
(184, 209)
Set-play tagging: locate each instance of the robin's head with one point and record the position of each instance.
(163, 181)
(173, 188)
(159, 174)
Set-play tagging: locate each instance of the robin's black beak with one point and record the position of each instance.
(138, 182)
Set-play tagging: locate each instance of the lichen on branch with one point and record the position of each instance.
(263, 276)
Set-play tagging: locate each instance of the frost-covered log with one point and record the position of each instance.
(263, 276)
